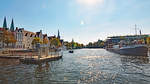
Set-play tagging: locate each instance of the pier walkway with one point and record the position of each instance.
(32, 57)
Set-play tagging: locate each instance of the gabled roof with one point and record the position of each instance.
(50, 37)
(38, 34)
(44, 35)
(28, 33)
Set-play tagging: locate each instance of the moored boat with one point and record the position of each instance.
(136, 50)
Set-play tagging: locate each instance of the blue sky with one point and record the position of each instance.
(83, 20)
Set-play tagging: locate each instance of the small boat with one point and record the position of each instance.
(70, 51)
(72, 47)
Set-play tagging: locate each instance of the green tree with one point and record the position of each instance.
(55, 42)
(69, 45)
(36, 40)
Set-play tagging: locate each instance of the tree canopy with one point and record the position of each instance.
(36, 40)
(45, 41)
(7, 37)
(55, 42)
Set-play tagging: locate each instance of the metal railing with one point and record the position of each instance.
(42, 52)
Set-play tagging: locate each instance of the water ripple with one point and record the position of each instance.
(84, 66)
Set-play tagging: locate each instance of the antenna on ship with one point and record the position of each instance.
(135, 29)
(140, 32)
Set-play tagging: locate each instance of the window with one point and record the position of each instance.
(26, 34)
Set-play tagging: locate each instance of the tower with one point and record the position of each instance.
(12, 26)
(72, 42)
(58, 36)
(5, 23)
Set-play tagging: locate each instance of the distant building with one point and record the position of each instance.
(40, 35)
(58, 36)
(19, 37)
(28, 38)
(25, 38)
(5, 23)
(117, 39)
(12, 26)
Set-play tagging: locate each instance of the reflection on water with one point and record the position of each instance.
(85, 66)
(8, 62)
(135, 59)
(41, 72)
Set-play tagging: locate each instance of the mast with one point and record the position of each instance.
(135, 29)
(140, 32)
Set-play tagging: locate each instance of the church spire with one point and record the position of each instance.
(58, 36)
(4, 23)
(12, 26)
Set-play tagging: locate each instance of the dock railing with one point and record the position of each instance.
(47, 52)
(39, 53)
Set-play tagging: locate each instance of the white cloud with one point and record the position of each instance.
(90, 3)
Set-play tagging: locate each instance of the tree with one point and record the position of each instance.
(7, 37)
(74, 45)
(90, 44)
(55, 42)
(36, 40)
(69, 45)
(45, 41)
(148, 40)
(122, 37)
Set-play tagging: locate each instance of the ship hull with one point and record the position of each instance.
(136, 51)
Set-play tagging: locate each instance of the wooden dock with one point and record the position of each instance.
(148, 50)
(10, 57)
(33, 58)
(42, 54)
(37, 60)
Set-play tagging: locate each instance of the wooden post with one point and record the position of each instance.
(39, 53)
(148, 50)
(46, 50)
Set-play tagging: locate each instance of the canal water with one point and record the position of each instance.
(84, 66)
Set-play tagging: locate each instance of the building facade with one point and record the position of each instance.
(117, 39)
(23, 37)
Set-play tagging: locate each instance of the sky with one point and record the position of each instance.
(83, 20)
